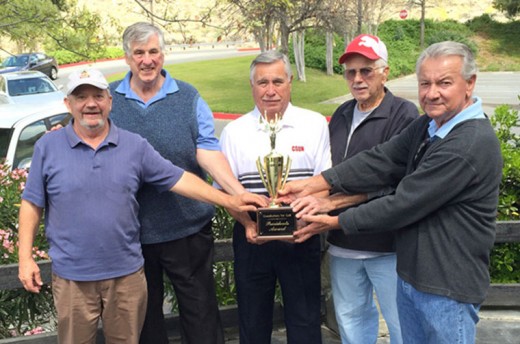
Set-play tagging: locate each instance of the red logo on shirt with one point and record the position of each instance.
(298, 148)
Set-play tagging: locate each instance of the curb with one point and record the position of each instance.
(89, 62)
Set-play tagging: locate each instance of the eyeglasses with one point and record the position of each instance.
(365, 72)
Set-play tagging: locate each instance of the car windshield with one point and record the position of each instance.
(15, 61)
(21, 87)
(5, 136)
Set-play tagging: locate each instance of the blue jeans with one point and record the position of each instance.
(434, 319)
(353, 284)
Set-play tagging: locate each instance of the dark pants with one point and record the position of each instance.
(188, 264)
(297, 269)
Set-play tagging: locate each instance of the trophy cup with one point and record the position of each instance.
(275, 221)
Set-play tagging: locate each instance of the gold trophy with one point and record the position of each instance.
(275, 221)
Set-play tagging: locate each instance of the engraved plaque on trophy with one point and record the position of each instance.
(275, 221)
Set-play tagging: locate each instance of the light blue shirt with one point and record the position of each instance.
(473, 111)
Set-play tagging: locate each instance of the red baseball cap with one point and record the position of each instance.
(367, 45)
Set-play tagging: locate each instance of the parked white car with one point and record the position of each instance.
(21, 125)
(28, 87)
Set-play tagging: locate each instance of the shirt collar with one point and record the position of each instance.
(74, 140)
(169, 86)
(474, 111)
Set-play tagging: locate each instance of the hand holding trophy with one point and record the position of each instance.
(275, 221)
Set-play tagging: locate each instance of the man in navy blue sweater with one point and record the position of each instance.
(176, 232)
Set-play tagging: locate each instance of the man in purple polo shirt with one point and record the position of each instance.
(86, 177)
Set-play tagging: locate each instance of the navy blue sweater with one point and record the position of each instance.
(171, 127)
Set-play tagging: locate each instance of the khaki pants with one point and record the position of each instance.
(119, 302)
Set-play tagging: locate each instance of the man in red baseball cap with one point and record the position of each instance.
(363, 263)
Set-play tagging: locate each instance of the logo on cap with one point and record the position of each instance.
(84, 74)
(368, 46)
(369, 42)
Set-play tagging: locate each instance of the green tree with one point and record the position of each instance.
(511, 8)
(23, 21)
(58, 24)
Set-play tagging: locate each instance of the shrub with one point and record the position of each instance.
(401, 38)
(67, 57)
(505, 258)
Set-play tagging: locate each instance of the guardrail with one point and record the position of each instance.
(209, 45)
(499, 295)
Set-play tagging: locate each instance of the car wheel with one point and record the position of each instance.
(54, 73)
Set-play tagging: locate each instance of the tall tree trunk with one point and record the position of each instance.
(260, 39)
(359, 17)
(329, 42)
(299, 54)
(284, 38)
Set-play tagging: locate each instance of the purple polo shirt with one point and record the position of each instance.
(90, 202)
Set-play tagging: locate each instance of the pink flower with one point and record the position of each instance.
(36, 330)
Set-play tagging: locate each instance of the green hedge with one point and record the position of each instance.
(67, 57)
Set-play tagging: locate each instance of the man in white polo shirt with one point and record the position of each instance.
(304, 137)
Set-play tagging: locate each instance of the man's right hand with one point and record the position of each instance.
(29, 275)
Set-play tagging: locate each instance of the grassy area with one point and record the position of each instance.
(224, 84)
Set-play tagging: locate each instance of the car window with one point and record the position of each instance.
(2, 85)
(30, 134)
(30, 86)
(12, 61)
(5, 137)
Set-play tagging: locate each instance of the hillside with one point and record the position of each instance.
(126, 12)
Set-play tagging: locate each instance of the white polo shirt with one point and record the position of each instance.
(304, 136)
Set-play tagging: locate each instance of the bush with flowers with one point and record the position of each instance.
(21, 312)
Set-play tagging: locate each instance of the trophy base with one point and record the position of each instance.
(275, 223)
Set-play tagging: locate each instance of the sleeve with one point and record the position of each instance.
(406, 113)
(34, 190)
(442, 176)
(206, 138)
(157, 171)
